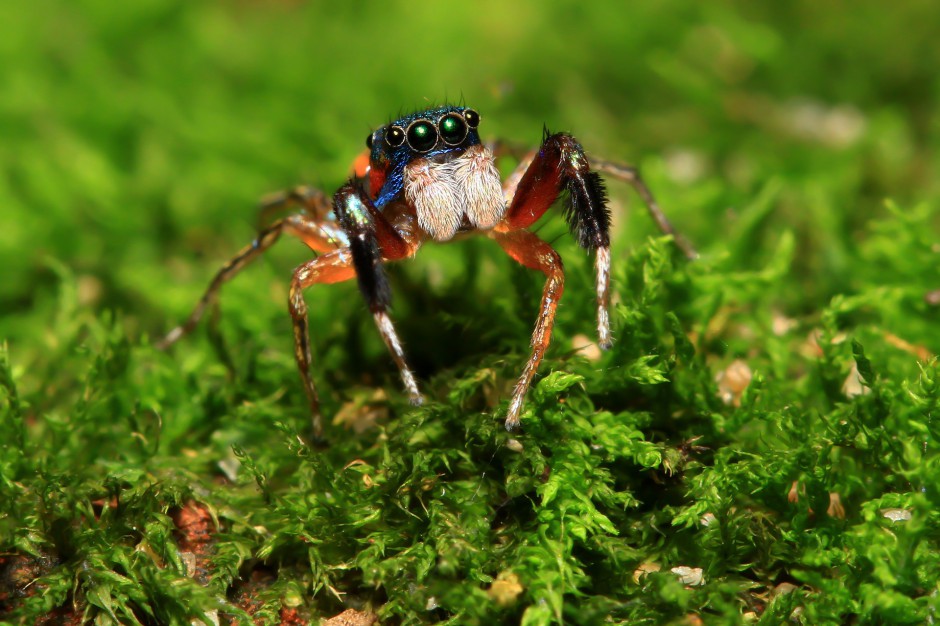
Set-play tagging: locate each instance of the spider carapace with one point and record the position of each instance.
(427, 176)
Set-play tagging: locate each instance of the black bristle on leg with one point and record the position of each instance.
(585, 203)
(354, 217)
(370, 272)
(586, 209)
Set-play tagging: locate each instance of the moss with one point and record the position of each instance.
(758, 446)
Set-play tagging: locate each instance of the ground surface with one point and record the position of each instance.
(761, 445)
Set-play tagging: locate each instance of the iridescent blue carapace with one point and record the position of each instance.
(434, 134)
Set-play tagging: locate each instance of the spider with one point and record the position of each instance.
(427, 176)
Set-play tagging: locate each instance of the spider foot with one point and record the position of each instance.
(513, 422)
(170, 338)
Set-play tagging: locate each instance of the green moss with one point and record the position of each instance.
(136, 140)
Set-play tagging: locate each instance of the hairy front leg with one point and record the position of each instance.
(560, 168)
(373, 240)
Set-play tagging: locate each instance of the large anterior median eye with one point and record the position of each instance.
(453, 129)
(422, 136)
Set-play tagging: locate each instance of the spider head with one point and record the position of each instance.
(438, 135)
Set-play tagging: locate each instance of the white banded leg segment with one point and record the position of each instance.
(602, 267)
(390, 337)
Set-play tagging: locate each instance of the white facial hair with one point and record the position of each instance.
(443, 194)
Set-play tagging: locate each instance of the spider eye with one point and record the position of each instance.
(394, 136)
(453, 129)
(422, 136)
(369, 141)
(472, 117)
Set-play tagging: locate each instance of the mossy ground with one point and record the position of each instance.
(794, 143)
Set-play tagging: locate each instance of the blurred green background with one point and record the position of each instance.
(138, 136)
(795, 143)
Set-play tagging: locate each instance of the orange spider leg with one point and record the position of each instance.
(333, 267)
(320, 236)
(316, 225)
(527, 249)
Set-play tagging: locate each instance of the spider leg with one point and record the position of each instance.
(373, 240)
(630, 174)
(316, 235)
(527, 249)
(316, 208)
(511, 184)
(559, 167)
(332, 267)
(501, 148)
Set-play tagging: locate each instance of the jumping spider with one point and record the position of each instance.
(427, 176)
